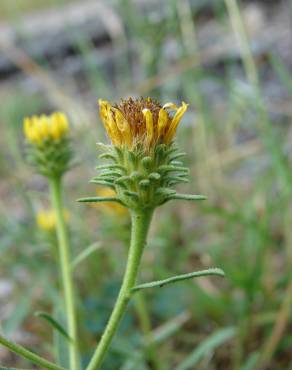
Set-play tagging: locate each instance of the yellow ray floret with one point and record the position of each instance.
(140, 122)
(37, 129)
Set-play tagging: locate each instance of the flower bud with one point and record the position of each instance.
(48, 144)
(143, 167)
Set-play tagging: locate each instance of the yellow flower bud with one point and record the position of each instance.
(37, 129)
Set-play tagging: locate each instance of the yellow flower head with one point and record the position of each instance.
(37, 129)
(140, 122)
(46, 219)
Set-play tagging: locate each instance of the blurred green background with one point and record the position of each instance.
(232, 63)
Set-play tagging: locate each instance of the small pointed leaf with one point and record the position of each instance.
(174, 279)
(98, 199)
(188, 197)
(53, 323)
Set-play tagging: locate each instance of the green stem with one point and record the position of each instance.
(23, 352)
(65, 265)
(140, 225)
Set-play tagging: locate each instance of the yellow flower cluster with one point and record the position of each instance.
(141, 121)
(37, 129)
(46, 219)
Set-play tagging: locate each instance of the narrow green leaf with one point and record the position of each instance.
(53, 322)
(60, 343)
(102, 183)
(207, 346)
(170, 168)
(108, 156)
(98, 199)
(23, 352)
(165, 191)
(174, 279)
(85, 253)
(188, 197)
(123, 179)
(176, 156)
(110, 166)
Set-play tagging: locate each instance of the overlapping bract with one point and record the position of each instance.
(48, 143)
(142, 181)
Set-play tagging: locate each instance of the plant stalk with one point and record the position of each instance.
(23, 352)
(65, 266)
(140, 225)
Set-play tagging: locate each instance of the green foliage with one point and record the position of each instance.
(241, 228)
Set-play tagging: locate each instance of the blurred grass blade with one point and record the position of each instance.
(210, 344)
(31, 356)
(12, 368)
(19, 313)
(169, 328)
(174, 279)
(53, 323)
(251, 361)
(282, 72)
(59, 341)
(134, 364)
(85, 253)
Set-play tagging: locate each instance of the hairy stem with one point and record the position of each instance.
(140, 225)
(65, 266)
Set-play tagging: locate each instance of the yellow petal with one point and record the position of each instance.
(36, 131)
(170, 106)
(175, 121)
(61, 121)
(104, 108)
(123, 126)
(43, 126)
(163, 119)
(27, 127)
(55, 129)
(116, 136)
(149, 125)
(109, 122)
